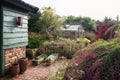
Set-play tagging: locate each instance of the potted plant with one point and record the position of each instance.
(14, 69)
(23, 62)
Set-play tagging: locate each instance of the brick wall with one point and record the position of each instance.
(13, 54)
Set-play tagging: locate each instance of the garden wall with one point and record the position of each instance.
(13, 54)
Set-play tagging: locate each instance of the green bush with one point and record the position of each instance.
(99, 61)
(64, 48)
(34, 40)
(90, 36)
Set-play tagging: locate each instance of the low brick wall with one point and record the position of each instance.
(13, 54)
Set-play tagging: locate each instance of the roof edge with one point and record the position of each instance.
(21, 4)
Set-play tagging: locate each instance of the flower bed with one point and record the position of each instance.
(65, 48)
(99, 61)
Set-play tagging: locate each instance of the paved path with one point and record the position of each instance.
(39, 72)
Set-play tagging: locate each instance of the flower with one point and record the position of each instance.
(87, 41)
(84, 40)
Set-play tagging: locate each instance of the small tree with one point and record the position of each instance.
(32, 22)
(106, 30)
(49, 23)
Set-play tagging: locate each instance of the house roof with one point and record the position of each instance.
(21, 4)
(72, 28)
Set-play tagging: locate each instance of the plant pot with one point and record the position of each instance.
(30, 53)
(23, 62)
(14, 69)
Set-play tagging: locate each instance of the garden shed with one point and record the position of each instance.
(73, 31)
(13, 31)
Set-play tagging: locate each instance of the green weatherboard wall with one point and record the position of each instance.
(11, 35)
(14, 35)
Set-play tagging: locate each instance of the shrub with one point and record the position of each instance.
(59, 73)
(65, 48)
(106, 30)
(99, 61)
(84, 41)
(34, 40)
(90, 36)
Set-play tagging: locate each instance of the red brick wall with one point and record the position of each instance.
(13, 54)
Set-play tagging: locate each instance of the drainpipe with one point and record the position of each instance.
(1, 43)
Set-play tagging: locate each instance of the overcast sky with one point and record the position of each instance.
(95, 9)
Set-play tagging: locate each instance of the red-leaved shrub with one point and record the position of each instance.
(106, 30)
(99, 61)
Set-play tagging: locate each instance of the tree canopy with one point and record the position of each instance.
(32, 22)
(47, 23)
(87, 23)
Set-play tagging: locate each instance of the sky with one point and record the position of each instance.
(95, 9)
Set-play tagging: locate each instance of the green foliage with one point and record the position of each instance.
(112, 64)
(118, 30)
(106, 48)
(59, 73)
(34, 40)
(65, 48)
(100, 61)
(84, 41)
(57, 76)
(87, 23)
(49, 24)
(107, 19)
(72, 20)
(32, 22)
(90, 36)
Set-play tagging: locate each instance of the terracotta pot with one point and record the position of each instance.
(14, 69)
(23, 62)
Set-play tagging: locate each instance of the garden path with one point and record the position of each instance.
(40, 72)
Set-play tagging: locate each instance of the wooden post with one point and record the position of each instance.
(1, 43)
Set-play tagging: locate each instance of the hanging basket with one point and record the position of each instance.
(23, 62)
